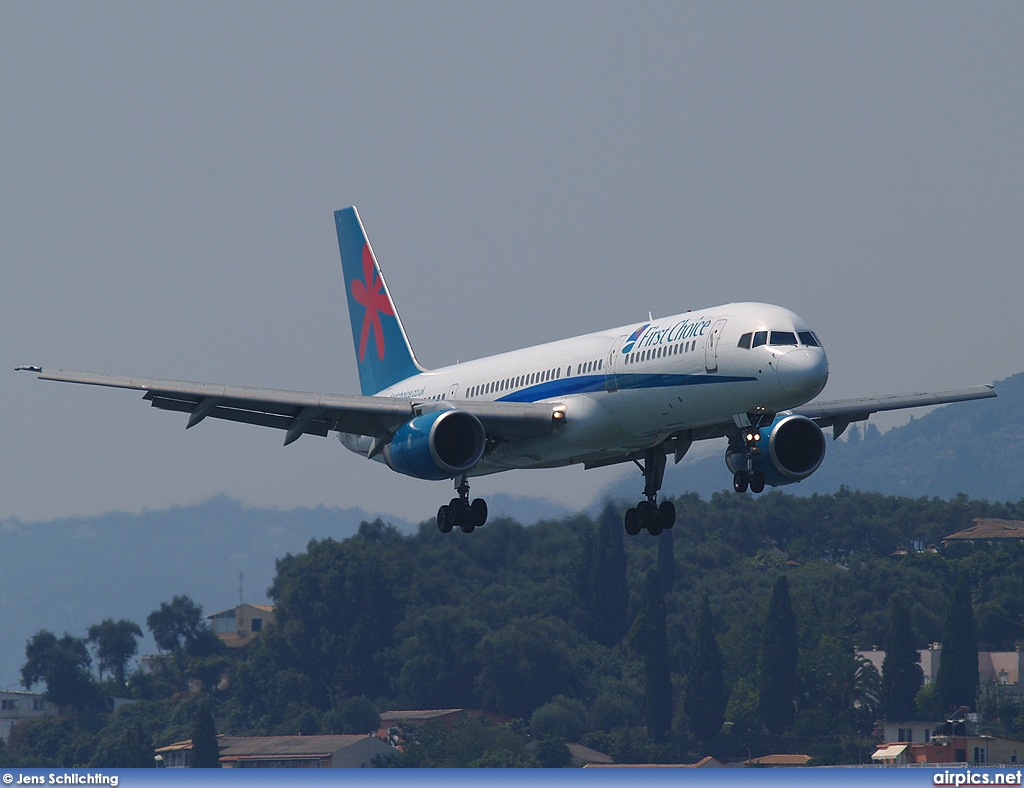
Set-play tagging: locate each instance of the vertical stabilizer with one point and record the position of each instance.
(383, 352)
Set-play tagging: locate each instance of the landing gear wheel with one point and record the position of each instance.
(458, 508)
(632, 526)
(646, 514)
(757, 482)
(740, 481)
(667, 514)
(444, 519)
(478, 512)
(460, 512)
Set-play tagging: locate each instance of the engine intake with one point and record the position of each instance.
(795, 449)
(438, 445)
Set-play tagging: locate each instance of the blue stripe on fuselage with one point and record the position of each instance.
(592, 383)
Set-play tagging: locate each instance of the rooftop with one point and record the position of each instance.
(986, 528)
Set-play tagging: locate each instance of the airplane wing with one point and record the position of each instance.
(299, 413)
(840, 413)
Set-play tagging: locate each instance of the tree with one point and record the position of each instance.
(64, 667)
(778, 663)
(847, 682)
(901, 669)
(205, 750)
(705, 696)
(666, 560)
(526, 663)
(957, 679)
(336, 611)
(648, 636)
(116, 643)
(609, 593)
(179, 628)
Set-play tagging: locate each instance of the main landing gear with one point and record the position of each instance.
(648, 514)
(460, 512)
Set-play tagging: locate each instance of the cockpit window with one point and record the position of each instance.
(807, 338)
(760, 338)
(745, 341)
(783, 338)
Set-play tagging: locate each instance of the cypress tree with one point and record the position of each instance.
(667, 560)
(956, 683)
(648, 636)
(205, 750)
(779, 656)
(705, 696)
(609, 592)
(901, 670)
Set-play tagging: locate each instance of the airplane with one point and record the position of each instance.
(748, 372)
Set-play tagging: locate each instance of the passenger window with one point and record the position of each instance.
(760, 338)
(745, 341)
(600, 363)
(783, 338)
(807, 338)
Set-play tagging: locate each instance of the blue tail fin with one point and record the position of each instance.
(382, 348)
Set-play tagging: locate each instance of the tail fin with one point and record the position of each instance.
(382, 348)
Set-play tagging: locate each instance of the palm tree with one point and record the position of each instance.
(850, 682)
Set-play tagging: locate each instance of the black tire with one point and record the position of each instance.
(478, 512)
(667, 514)
(458, 508)
(757, 482)
(632, 526)
(740, 481)
(444, 519)
(646, 514)
(467, 527)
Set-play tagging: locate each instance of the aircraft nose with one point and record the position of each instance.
(803, 373)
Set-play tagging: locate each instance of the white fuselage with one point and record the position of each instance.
(632, 387)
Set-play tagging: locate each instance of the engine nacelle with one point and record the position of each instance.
(792, 448)
(438, 445)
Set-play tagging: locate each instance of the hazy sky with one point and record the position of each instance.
(525, 171)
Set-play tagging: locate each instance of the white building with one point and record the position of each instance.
(1001, 667)
(15, 706)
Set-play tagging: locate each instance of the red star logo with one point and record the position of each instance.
(370, 293)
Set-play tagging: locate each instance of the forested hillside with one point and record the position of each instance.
(556, 625)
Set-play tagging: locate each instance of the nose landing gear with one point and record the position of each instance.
(649, 514)
(747, 443)
(460, 512)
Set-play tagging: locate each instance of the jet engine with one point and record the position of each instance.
(438, 445)
(789, 449)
